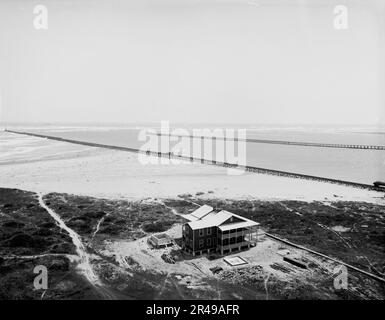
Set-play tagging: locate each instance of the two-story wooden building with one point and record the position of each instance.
(221, 231)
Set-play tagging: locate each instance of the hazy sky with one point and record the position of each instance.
(193, 61)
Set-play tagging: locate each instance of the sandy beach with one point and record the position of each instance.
(42, 165)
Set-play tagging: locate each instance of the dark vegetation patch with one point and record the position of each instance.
(320, 287)
(255, 279)
(153, 286)
(121, 219)
(181, 206)
(26, 228)
(17, 280)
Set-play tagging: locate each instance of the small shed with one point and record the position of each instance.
(160, 240)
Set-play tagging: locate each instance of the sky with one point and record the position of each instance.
(239, 61)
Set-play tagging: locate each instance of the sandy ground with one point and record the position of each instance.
(47, 166)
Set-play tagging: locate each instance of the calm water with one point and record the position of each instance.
(363, 166)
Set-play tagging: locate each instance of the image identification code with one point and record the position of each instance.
(198, 309)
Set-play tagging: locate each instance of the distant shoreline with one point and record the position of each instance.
(209, 162)
(113, 174)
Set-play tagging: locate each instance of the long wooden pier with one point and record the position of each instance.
(209, 162)
(283, 142)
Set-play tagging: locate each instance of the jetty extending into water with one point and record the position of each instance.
(209, 162)
(283, 142)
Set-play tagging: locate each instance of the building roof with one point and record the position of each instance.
(199, 213)
(161, 239)
(216, 219)
(202, 211)
(237, 225)
(211, 220)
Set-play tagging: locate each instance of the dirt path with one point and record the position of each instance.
(84, 266)
(98, 225)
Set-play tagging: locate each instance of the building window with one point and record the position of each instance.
(200, 244)
(201, 232)
(209, 231)
(209, 242)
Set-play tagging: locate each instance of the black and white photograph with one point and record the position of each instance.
(215, 151)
